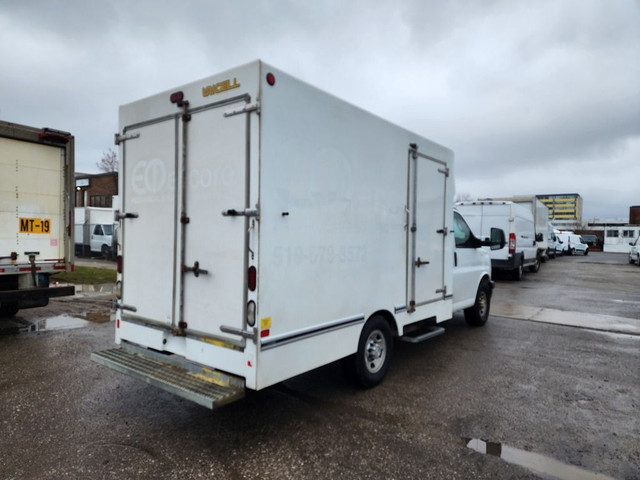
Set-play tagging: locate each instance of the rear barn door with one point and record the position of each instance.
(427, 195)
(216, 181)
(149, 197)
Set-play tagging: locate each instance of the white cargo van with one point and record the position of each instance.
(540, 220)
(297, 230)
(572, 244)
(518, 225)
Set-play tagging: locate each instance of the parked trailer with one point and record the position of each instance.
(36, 214)
(296, 230)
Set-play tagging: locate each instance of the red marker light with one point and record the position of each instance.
(271, 79)
(264, 333)
(252, 278)
(177, 97)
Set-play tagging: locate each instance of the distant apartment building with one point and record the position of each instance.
(565, 209)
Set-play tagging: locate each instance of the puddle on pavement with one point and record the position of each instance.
(536, 463)
(61, 322)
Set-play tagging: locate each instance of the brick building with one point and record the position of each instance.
(96, 190)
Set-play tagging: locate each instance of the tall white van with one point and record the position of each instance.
(518, 224)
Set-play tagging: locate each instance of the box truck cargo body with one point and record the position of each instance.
(36, 214)
(518, 225)
(94, 230)
(296, 230)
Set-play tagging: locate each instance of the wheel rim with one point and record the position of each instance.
(375, 351)
(483, 304)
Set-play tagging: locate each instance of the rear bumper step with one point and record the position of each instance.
(211, 389)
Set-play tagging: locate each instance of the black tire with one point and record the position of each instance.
(105, 251)
(478, 315)
(572, 252)
(516, 274)
(631, 260)
(536, 266)
(586, 252)
(375, 350)
(8, 310)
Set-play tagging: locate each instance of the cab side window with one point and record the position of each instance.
(461, 230)
(97, 230)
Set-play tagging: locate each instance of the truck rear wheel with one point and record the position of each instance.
(516, 274)
(478, 314)
(536, 266)
(8, 310)
(375, 349)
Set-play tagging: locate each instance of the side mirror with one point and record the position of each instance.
(498, 240)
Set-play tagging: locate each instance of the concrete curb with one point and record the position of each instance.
(590, 321)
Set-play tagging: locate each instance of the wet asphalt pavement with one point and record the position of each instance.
(568, 393)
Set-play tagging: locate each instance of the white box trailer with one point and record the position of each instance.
(291, 229)
(517, 223)
(36, 214)
(540, 214)
(94, 230)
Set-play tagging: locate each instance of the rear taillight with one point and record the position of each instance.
(251, 313)
(252, 278)
(119, 263)
(512, 243)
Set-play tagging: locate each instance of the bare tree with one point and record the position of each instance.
(108, 162)
(463, 197)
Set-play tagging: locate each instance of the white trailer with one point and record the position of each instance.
(296, 230)
(94, 230)
(540, 214)
(36, 214)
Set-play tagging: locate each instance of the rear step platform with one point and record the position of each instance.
(207, 387)
(422, 334)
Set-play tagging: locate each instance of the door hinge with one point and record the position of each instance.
(442, 290)
(196, 270)
(232, 212)
(445, 171)
(118, 139)
(443, 231)
(122, 215)
(250, 107)
(122, 306)
(418, 263)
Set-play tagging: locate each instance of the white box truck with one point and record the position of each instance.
(540, 219)
(296, 230)
(36, 214)
(94, 231)
(519, 227)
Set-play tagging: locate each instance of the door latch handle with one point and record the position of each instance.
(196, 270)
(418, 263)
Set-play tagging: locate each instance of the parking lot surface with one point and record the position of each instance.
(569, 394)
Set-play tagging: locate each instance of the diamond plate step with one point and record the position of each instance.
(211, 389)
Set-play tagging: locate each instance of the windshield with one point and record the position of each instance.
(108, 229)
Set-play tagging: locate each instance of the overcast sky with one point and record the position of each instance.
(533, 96)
